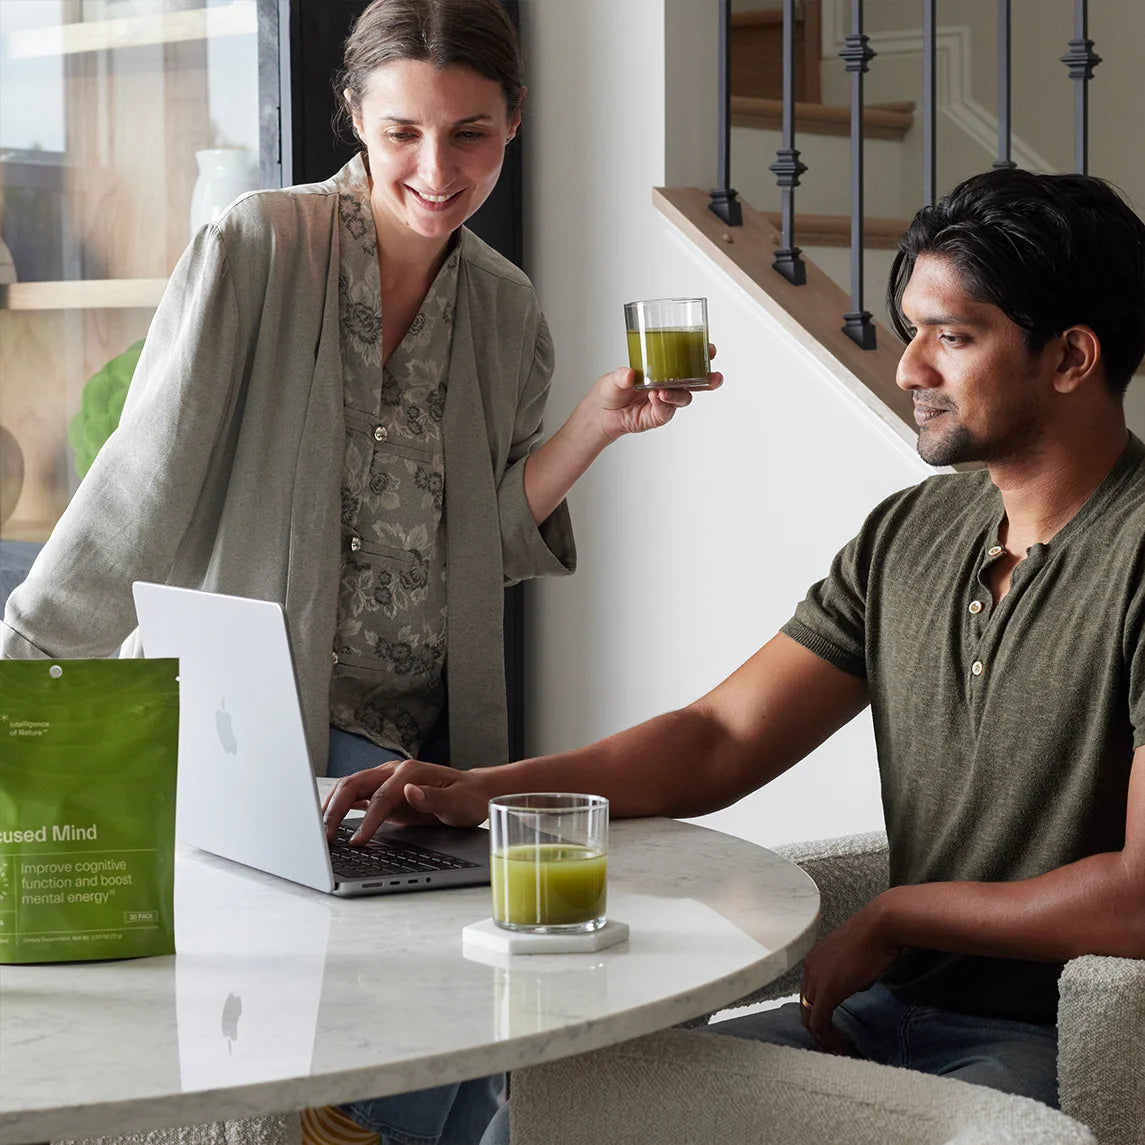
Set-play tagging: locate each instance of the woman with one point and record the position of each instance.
(338, 407)
(322, 357)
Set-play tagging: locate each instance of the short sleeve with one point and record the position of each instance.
(831, 619)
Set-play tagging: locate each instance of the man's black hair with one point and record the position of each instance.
(1050, 251)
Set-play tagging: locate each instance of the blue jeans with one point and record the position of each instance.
(1015, 1057)
(454, 1114)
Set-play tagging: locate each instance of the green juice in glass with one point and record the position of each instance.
(548, 884)
(677, 357)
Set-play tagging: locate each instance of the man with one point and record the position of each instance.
(995, 622)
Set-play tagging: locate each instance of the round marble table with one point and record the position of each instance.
(282, 998)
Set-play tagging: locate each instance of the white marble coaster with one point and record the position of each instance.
(487, 935)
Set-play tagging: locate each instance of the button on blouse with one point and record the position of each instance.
(390, 638)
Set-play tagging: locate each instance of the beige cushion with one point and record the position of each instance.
(683, 1087)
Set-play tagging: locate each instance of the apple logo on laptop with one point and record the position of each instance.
(223, 727)
(232, 1011)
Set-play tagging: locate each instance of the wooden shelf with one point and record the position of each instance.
(84, 294)
(239, 18)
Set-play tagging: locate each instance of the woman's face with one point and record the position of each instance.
(435, 140)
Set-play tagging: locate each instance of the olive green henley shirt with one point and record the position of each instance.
(1005, 732)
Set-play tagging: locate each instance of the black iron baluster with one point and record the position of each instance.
(724, 202)
(1004, 159)
(1081, 59)
(929, 103)
(856, 53)
(787, 167)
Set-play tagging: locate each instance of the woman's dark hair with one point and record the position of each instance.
(1050, 251)
(476, 33)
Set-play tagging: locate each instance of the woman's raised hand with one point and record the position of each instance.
(629, 410)
(612, 408)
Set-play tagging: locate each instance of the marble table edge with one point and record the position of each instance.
(29, 1127)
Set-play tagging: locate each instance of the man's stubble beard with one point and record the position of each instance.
(953, 448)
(959, 446)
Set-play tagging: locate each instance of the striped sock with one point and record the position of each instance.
(330, 1126)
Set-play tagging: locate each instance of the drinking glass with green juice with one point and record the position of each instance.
(668, 343)
(549, 857)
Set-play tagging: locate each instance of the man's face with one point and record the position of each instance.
(979, 394)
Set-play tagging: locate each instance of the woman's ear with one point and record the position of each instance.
(355, 114)
(515, 118)
(1080, 358)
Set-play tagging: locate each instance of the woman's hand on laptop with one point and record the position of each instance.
(406, 792)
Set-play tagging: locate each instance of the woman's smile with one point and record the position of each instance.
(435, 141)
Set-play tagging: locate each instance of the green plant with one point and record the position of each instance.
(100, 406)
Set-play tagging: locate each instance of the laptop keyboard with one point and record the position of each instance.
(382, 856)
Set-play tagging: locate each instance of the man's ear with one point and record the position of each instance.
(1080, 358)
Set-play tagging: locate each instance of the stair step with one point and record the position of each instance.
(835, 230)
(757, 52)
(882, 121)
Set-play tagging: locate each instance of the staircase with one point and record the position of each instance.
(823, 223)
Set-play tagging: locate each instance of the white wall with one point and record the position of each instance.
(696, 541)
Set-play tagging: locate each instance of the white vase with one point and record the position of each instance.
(11, 473)
(224, 174)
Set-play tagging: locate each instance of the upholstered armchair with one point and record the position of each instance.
(1101, 1002)
(688, 1087)
(1101, 1007)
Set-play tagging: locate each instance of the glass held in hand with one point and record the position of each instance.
(668, 343)
(549, 855)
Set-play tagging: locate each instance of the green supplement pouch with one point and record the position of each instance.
(88, 751)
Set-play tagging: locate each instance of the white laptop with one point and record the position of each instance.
(246, 788)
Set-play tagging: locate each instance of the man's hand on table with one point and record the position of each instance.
(406, 792)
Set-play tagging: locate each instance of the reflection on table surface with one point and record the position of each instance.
(538, 993)
(248, 988)
(281, 997)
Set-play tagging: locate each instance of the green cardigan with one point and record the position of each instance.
(224, 473)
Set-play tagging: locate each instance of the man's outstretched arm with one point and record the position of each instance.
(1093, 906)
(763, 718)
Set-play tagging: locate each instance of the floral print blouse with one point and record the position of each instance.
(388, 680)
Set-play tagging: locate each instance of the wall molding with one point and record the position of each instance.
(953, 86)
